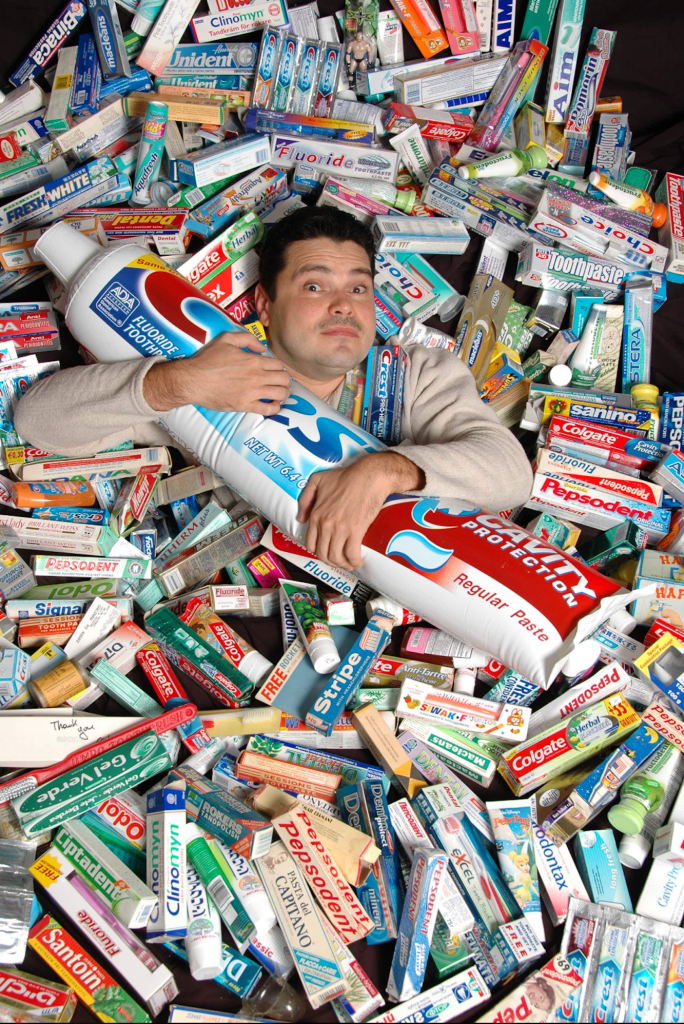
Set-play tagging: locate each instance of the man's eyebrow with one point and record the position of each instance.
(322, 268)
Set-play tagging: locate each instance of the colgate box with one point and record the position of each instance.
(433, 124)
(224, 278)
(41, 1000)
(223, 251)
(565, 745)
(568, 434)
(595, 508)
(571, 467)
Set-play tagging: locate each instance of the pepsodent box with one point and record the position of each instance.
(563, 746)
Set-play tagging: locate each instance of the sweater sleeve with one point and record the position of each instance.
(458, 442)
(84, 409)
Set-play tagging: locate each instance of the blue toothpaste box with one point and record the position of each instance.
(50, 42)
(191, 58)
(85, 95)
(599, 866)
(383, 397)
(672, 419)
(109, 40)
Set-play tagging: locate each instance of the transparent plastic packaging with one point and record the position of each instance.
(16, 898)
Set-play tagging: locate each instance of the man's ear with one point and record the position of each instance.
(262, 304)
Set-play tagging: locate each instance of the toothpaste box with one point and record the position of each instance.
(670, 474)
(559, 876)
(52, 201)
(166, 864)
(256, 14)
(352, 161)
(25, 997)
(205, 166)
(251, 192)
(612, 146)
(595, 508)
(422, 901)
(464, 993)
(469, 79)
(190, 58)
(599, 866)
(569, 743)
(481, 322)
(384, 391)
(543, 267)
(662, 896)
(671, 234)
(571, 467)
(49, 43)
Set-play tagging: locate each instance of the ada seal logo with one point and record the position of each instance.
(136, 568)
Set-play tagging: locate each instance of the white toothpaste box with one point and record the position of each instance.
(114, 943)
(166, 864)
(559, 876)
(662, 897)
(470, 79)
(459, 995)
(206, 166)
(353, 161)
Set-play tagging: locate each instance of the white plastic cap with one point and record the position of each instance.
(465, 681)
(633, 851)
(560, 375)
(623, 622)
(66, 251)
(324, 655)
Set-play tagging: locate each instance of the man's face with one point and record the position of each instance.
(322, 319)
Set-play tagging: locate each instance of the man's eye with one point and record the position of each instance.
(359, 289)
(312, 287)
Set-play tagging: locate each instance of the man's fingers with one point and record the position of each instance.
(243, 339)
(306, 500)
(312, 538)
(323, 541)
(336, 554)
(352, 550)
(264, 408)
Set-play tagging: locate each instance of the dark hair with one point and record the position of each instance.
(313, 222)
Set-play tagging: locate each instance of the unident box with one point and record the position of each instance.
(563, 746)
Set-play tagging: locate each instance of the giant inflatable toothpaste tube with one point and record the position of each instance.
(469, 572)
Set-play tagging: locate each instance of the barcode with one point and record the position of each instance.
(174, 581)
(7, 688)
(194, 197)
(220, 894)
(390, 225)
(413, 94)
(80, 97)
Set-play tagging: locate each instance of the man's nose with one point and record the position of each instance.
(340, 303)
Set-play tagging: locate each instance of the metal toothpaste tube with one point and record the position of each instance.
(305, 603)
(512, 825)
(471, 714)
(302, 926)
(563, 746)
(409, 963)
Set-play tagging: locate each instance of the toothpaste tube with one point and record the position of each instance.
(49, 43)
(595, 508)
(471, 714)
(329, 71)
(267, 64)
(563, 746)
(428, 872)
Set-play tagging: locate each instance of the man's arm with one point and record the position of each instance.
(454, 437)
(84, 409)
(87, 408)
(453, 447)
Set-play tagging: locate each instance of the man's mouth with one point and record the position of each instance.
(341, 332)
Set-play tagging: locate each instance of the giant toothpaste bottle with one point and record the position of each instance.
(471, 573)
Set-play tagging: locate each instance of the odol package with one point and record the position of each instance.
(245, 822)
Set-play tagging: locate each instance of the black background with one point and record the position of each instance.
(646, 70)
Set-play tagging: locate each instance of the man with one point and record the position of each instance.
(315, 299)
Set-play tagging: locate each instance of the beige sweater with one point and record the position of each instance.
(446, 429)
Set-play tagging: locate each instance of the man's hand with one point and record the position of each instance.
(340, 504)
(220, 376)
